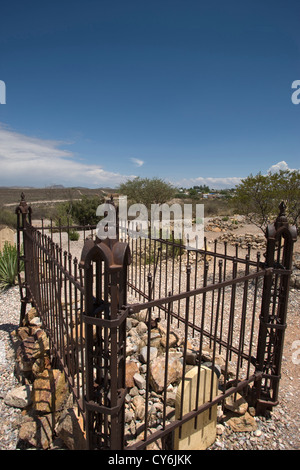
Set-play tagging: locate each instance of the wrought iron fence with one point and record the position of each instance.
(224, 308)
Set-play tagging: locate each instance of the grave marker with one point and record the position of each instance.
(205, 433)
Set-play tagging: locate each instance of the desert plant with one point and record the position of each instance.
(81, 212)
(147, 191)
(258, 197)
(74, 235)
(9, 266)
(173, 250)
(8, 218)
(84, 211)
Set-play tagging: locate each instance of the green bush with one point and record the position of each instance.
(258, 197)
(8, 218)
(81, 212)
(84, 211)
(173, 250)
(74, 235)
(9, 266)
(147, 191)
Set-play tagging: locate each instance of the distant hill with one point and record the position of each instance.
(10, 196)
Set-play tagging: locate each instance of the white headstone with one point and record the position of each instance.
(204, 435)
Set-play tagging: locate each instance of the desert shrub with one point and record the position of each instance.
(173, 250)
(81, 212)
(258, 197)
(84, 211)
(8, 218)
(74, 235)
(217, 207)
(9, 266)
(170, 248)
(147, 191)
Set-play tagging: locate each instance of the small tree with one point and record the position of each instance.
(147, 191)
(258, 197)
(81, 212)
(84, 211)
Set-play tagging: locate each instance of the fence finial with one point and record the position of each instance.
(282, 218)
(22, 207)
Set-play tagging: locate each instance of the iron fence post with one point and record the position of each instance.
(23, 211)
(280, 240)
(105, 326)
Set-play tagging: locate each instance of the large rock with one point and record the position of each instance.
(50, 391)
(157, 372)
(144, 353)
(237, 404)
(31, 348)
(245, 423)
(131, 369)
(37, 432)
(141, 328)
(132, 345)
(139, 380)
(138, 403)
(171, 341)
(70, 429)
(30, 315)
(40, 365)
(23, 332)
(19, 397)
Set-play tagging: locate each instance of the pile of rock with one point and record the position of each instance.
(43, 392)
(236, 414)
(223, 224)
(256, 241)
(136, 369)
(49, 418)
(236, 419)
(295, 277)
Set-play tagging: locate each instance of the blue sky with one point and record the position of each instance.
(189, 91)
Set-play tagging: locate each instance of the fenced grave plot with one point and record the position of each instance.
(160, 310)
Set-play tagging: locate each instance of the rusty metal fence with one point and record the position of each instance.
(54, 285)
(229, 312)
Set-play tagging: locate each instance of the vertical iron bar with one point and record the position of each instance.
(215, 337)
(206, 267)
(187, 309)
(148, 354)
(166, 362)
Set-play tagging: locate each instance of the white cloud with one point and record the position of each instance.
(279, 166)
(36, 162)
(137, 161)
(225, 182)
(213, 183)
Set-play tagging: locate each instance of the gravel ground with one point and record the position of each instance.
(9, 321)
(279, 431)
